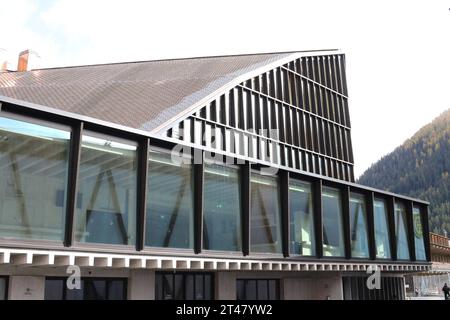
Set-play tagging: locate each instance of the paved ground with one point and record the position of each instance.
(427, 298)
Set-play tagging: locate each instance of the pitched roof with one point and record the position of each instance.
(140, 95)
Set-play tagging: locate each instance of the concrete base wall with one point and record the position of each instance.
(327, 288)
(225, 285)
(26, 288)
(141, 285)
(29, 283)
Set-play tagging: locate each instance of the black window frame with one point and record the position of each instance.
(6, 286)
(268, 280)
(107, 282)
(159, 278)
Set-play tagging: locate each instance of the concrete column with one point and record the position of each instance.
(141, 285)
(225, 286)
(26, 288)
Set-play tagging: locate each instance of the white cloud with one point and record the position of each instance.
(397, 52)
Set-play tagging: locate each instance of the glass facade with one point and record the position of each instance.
(301, 225)
(170, 203)
(90, 289)
(265, 217)
(358, 226)
(107, 183)
(33, 180)
(381, 221)
(418, 235)
(401, 232)
(333, 234)
(34, 165)
(184, 286)
(221, 208)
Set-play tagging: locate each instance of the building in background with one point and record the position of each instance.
(430, 283)
(204, 178)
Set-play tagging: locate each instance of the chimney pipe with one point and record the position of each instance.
(22, 65)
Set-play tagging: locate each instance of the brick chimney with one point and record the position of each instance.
(22, 65)
(4, 66)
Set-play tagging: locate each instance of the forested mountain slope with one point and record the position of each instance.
(419, 168)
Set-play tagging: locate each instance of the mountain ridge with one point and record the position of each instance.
(419, 168)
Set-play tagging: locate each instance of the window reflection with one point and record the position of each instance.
(169, 203)
(383, 249)
(358, 226)
(221, 208)
(33, 180)
(302, 219)
(401, 232)
(333, 240)
(265, 214)
(418, 235)
(107, 183)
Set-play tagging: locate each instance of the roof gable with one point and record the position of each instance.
(141, 95)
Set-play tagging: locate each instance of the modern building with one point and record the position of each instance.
(203, 178)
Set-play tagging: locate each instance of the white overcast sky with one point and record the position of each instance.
(398, 52)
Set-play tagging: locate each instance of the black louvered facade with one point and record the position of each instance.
(295, 115)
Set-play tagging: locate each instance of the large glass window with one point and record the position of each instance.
(333, 235)
(401, 232)
(106, 199)
(265, 215)
(358, 226)
(302, 218)
(184, 286)
(221, 208)
(383, 249)
(418, 234)
(33, 180)
(170, 210)
(258, 289)
(90, 289)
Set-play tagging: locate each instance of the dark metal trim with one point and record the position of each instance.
(346, 222)
(371, 224)
(72, 182)
(285, 211)
(390, 204)
(142, 193)
(317, 199)
(198, 203)
(410, 229)
(246, 208)
(425, 213)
